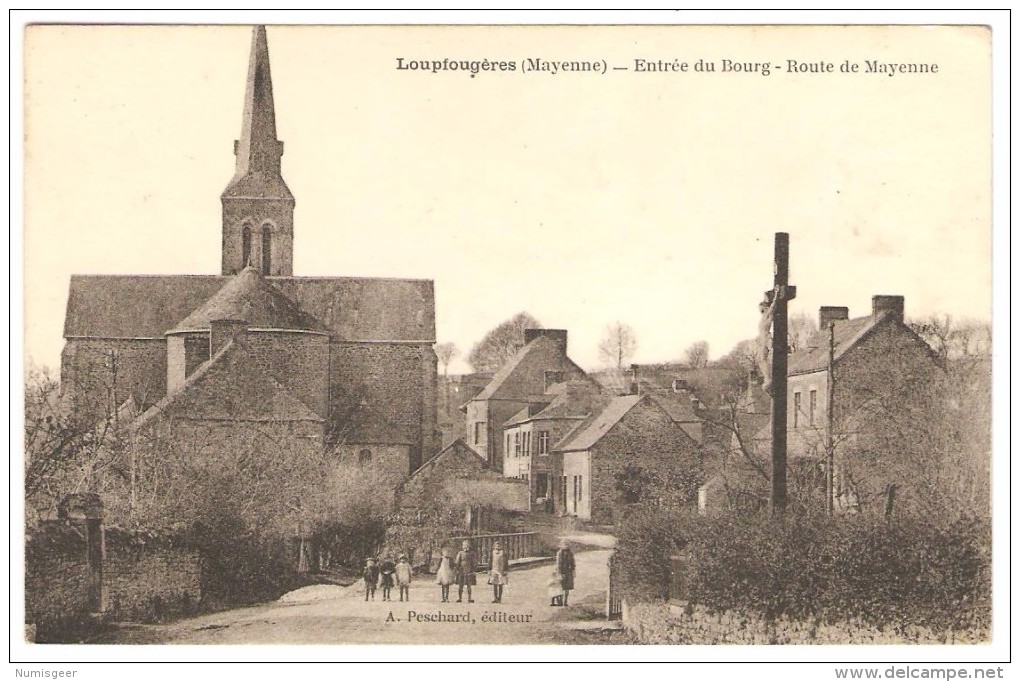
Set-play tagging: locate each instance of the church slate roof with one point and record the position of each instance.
(248, 297)
(147, 306)
(230, 387)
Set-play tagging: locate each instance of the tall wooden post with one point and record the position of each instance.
(783, 293)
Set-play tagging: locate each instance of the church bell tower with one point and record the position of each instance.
(258, 208)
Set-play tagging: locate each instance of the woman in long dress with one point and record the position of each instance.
(565, 566)
(445, 576)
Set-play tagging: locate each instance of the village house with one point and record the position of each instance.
(308, 362)
(880, 371)
(630, 450)
(521, 382)
(530, 435)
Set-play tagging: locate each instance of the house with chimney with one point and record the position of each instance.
(870, 355)
(522, 381)
(879, 373)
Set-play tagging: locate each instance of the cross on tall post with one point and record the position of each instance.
(781, 294)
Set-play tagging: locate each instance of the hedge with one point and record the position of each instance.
(905, 573)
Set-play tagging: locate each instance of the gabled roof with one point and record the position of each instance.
(458, 450)
(676, 405)
(247, 296)
(230, 387)
(497, 387)
(814, 356)
(576, 400)
(350, 308)
(591, 430)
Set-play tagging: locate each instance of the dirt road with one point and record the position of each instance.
(327, 614)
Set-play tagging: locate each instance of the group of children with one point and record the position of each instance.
(385, 575)
(461, 571)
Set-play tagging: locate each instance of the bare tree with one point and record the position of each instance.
(501, 343)
(618, 345)
(951, 338)
(799, 330)
(446, 352)
(696, 355)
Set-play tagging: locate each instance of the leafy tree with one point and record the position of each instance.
(696, 355)
(618, 344)
(501, 343)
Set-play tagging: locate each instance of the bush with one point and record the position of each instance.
(907, 573)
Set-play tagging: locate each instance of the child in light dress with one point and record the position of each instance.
(445, 576)
(555, 589)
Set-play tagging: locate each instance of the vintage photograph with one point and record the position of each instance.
(508, 335)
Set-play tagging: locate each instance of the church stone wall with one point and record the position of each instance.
(91, 368)
(299, 361)
(390, 379)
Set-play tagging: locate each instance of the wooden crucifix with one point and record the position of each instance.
(778, 298)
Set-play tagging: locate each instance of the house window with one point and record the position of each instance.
(245, 246)
(508, 442)
(267, 249)
(527, 443)
(796, 409)
(479, 433)
(543, 442)
(364, 456)
(812, 406)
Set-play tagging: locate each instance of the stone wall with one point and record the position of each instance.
(298, 360)
(398, 381)
(147, 578)
(142, 577)
(91, 368)
(56, 578)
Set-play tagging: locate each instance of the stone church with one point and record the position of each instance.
(336, 362)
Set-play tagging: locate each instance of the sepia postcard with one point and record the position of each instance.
(509, 335)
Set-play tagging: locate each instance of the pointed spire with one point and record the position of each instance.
(258, 151)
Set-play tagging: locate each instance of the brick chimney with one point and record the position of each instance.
(557, 335)
(893, 304)
(223, 332)
(832, 313)
(635, 388)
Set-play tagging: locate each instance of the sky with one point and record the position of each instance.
(649, 198)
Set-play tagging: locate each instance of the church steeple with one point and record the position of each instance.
(258, 208)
